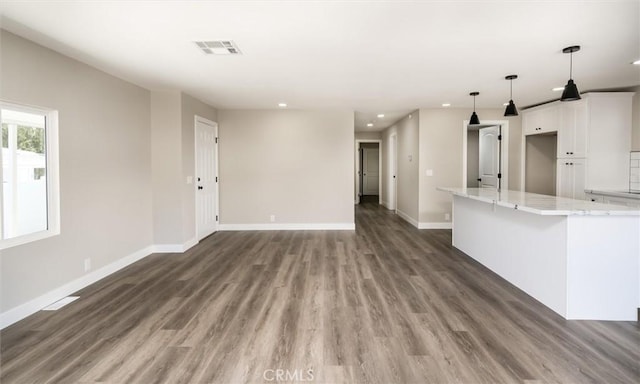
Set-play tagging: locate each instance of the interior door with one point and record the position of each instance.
(370, 176)
(489, 162)
(206, 177)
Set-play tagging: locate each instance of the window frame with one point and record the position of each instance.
(53, 177)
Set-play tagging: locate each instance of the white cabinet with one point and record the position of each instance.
(541, 120)
(629, 202)
(614, 197)
(594, 197)
(609, 140)
(571, 178)
(572, 136)
(593, 141)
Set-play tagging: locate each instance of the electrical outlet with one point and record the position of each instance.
(447, 217)
(87, 264)
(272, 218)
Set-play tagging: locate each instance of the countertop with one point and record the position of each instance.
(605, 192)
(541, 204)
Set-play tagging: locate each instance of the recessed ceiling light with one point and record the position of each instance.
(282, 105)
(381, 115)
(446, 104)
(370, 125)
(637, 62)
(557, 89)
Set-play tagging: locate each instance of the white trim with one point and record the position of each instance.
(20, 312)
(53, 178)
(436, 225)
(407, 218)
(174, 248)
(289, 227)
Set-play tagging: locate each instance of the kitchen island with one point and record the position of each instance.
(579, 258)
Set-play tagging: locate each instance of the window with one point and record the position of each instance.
(29, 198)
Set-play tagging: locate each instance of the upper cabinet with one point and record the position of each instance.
(572, 137)
(541, 120)
(593, 140)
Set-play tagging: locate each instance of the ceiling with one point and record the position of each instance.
(368, 56)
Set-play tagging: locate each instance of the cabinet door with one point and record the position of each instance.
(571, 178)
(572, 133)
(564, 183)
(542, 120)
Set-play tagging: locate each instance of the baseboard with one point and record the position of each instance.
(289, 227)
(174, 248)
(407, 218)
(20, 312)
(435, 225)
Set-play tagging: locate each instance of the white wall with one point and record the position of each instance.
(296, 165)
(105, 168)
(441, 152)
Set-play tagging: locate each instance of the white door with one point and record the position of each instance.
(489, 162)
(206, 180)
(370, 159)
(393, 169)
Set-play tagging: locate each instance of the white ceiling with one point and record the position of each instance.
(368, 56)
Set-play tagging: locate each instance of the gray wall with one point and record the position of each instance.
(441, 151)
(407, 131)
(296, 165)
(105, 168)
(190, 107)
(473, 157)
(166, 137)
(540, 164)
(368, 135)
(635, 127)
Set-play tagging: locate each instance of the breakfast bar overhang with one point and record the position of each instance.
(581, 259)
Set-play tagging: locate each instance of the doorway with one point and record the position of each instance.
(485, 155)
(206, 177)
(368, 181)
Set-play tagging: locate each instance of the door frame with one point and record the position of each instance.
(393, 173)
(357, 163)
(214, 124)
(504, 150)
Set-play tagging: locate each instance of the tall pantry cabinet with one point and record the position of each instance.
(593, 140)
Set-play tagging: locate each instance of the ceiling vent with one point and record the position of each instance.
(218, 47)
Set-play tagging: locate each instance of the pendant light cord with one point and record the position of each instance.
(571, 65)
(511, 91)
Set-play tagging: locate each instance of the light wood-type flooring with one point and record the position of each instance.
(385, 304)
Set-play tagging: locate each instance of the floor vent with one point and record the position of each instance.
(61, 303)
(219, 47)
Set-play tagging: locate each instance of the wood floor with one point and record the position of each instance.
(386, 304)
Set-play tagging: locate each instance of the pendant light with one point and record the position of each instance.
(570, 92)
(511, 109)
(474, 120)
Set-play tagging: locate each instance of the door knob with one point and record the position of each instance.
(199, 187)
